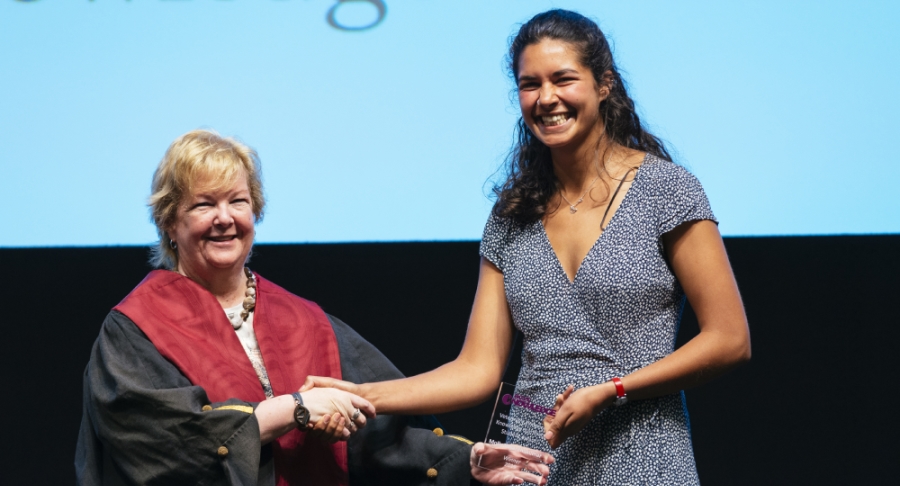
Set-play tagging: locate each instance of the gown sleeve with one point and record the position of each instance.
(495, 239)
(396, 449)
(144, 423)
(684, 200)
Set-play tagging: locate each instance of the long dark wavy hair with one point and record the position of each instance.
(531, 182)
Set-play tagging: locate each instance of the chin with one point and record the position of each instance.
(225, 261)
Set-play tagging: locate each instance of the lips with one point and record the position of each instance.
(221, 239)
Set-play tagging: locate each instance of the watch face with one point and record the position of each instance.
(301, 415)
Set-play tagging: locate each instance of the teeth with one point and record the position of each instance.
(554, 120)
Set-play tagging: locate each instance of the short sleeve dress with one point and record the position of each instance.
(620, 314)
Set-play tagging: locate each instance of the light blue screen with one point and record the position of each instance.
(786, 111)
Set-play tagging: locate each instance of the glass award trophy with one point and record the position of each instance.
(502, 434)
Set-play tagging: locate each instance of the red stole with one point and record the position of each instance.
(189, 328)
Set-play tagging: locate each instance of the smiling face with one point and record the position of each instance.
(214, 230)
(558, 95)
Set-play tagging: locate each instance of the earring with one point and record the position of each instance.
(173, 245)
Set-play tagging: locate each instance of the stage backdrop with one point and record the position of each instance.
(815, 405)
(383, 120)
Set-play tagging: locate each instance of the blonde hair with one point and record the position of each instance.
(199, 155)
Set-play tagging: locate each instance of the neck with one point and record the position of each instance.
(227, 285)
(576, 167)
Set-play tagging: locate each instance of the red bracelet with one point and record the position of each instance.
(621, 396)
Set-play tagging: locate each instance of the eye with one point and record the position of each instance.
(201, 204)
(528, 86)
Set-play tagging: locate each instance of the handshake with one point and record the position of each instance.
(333, 414)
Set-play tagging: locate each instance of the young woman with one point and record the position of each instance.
(594, 242)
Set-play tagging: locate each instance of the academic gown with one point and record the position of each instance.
(144, 423)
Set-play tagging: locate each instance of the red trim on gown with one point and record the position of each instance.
(189, 328)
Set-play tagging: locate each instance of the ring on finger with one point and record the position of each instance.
(355, 415)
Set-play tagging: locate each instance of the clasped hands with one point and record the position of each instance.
(335, 414)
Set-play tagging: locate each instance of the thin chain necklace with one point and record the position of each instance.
(573, 208)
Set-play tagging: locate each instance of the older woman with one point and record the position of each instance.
(194, 376)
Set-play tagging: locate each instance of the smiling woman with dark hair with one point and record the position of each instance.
(594, 243)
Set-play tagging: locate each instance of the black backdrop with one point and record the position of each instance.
(814, 406)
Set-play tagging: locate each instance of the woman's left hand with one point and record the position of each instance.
(578, 408)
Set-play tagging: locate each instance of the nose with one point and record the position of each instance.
(223, 217)
(547, 98)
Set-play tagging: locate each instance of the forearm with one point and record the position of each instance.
(453, 386)
(474, 375)
(705, 357)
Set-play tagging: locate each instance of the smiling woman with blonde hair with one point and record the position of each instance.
(195, 373)
(199, 156)
(194, 378)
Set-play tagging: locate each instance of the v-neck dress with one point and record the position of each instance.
(620, 314)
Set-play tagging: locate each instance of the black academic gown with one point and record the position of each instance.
(144, 423)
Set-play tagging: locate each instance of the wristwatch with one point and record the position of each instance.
(621, 396)
(301, 413)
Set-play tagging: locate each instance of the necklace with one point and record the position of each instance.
(249, 301)
(573, 208)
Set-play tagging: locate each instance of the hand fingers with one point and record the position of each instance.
(552, 434)
(363, 405)
(474, 454)
(529, 454)
(335, 426)
(321, 426)
(354, 424)
(361, 408)
(520, 477)
(327, 382)
(562, 428)
(559, 402)
(312, 382)
(354, 416)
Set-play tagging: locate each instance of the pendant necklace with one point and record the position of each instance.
(573, 208)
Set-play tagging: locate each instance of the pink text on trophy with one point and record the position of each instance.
(525, 402)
